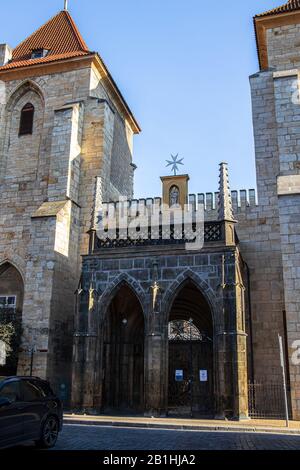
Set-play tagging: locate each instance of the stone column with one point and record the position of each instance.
(230, 344)
(85, 349)
(154, 380)
(98, 368)
(222, 398)
(78, 361)
(90, 351)
(236, 340)
(155, 354)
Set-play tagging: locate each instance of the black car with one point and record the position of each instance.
(29, 411)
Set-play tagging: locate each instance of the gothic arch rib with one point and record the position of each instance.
(173, 290)
(110, 292)
(17, 262)
(21, 90)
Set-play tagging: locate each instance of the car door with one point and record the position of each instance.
(11, 419)
(34, 408)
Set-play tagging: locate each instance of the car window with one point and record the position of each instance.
(11, 391)
(31, 391)
(45, 388)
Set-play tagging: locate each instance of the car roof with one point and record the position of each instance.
(20, 377)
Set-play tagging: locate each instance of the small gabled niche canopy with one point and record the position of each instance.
(26, 119)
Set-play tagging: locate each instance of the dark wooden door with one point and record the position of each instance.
(123, 377)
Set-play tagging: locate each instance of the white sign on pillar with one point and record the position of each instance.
(203, 375)
(179, 375)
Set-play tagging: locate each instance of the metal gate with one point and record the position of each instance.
(190, 391)
(266, 400)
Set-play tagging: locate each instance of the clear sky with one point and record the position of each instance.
(182, 66)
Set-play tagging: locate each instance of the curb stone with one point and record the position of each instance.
(182, 427)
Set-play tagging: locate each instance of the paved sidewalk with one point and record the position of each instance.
(268, 426)
(111, 439)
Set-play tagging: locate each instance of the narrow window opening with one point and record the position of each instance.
(26, 120)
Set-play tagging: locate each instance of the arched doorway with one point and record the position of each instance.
(123, 356)
(11, 305)
(190, 338)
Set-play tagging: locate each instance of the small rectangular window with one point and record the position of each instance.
(39, 53)
(8, 301)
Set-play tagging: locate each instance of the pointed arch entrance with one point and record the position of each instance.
(190, 353)
(123, 353)
(11, 306)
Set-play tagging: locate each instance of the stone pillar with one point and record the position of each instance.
(155, 353)
(155, 387)
(236, 339)
(240, 377)
(222, 398)
(85, 351)
(90, 352)
(81, 305)
(230, 345)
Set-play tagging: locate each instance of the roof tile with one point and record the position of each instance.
(291, 5)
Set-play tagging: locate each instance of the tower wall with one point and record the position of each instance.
(273, 255)
(47, 184)
(283, 44)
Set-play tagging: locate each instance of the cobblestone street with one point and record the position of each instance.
(83, 437)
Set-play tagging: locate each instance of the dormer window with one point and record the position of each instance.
(26, 119)
(39, 53)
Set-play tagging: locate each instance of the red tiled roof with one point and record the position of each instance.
(59, 35)
(291, 5)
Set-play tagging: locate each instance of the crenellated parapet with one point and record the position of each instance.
(241, 201)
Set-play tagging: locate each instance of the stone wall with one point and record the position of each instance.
(121, 158)
(283, 44)
(120, 176)
(259, 233)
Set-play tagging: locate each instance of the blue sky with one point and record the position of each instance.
(183, 67)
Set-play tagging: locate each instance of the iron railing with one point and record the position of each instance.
(213, 232)
(266, 400)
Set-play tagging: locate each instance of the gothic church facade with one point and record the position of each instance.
(153, 327)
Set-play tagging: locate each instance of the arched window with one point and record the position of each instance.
(26, 120)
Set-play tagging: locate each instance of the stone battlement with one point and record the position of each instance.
(241, 200)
